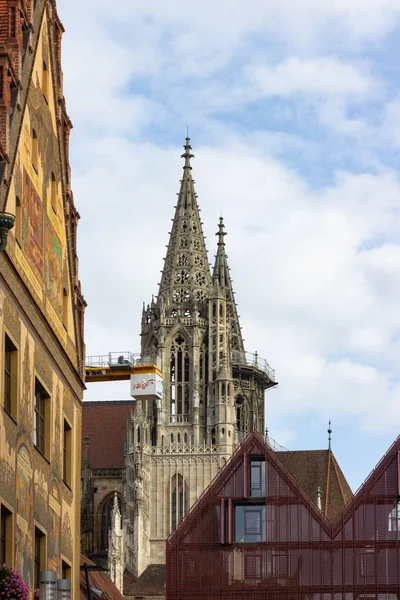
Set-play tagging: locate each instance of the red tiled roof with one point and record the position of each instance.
(319, 468)
(100, 581)
(105, 423)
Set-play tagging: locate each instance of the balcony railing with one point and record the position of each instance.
(120, 359)
(253, 360)
(179, 418)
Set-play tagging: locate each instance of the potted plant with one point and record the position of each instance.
(12, 585)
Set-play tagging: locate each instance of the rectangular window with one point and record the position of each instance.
(6, 536)
(13, 22)
(10, 377)
(257, 478)
(65, 570)
(250, 523)
(394, 522)
(67, 452)
(40, 556)
(41, 419)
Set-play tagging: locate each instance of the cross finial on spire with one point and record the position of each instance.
(329, 436)
(221, 233)
(187, 155)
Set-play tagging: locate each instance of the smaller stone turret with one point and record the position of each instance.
(116, 563)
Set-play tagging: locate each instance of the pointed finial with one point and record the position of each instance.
(221, 233)
(116, 507)
(187, 155)
(329, 436)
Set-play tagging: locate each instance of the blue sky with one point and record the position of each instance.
(293, 109)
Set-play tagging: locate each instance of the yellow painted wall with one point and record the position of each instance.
(40, 324)
(40, 253)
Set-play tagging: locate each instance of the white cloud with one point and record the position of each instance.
(309, 197)
(324, 75)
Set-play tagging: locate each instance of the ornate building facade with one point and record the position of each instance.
(102, 472)
(213, 391)
(41, 305)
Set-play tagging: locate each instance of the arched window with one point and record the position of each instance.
(106, 513)
(179, 379)
(240, 409)
(203, 372)
(179, 499)
(213, 436)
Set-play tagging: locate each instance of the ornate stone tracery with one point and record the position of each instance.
(194, 428)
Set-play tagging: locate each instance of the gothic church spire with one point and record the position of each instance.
(186, 278)
(222, 276)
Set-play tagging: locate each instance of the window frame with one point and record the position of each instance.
(35, 151)
(6, 535)
(179, 495)
(66, 568)
(67, 453)
(10, 376)
(45, 81)
(41, 418)
(249, 507)
(39, 555)
(257, 462)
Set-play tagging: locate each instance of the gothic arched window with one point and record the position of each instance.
(203, 372)
(240, 409)
(179, 378)
(179, 499)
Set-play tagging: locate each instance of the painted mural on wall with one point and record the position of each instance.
(41, 254)
(54, 528)
(32, 226)
(7, 463)
(57, 438)
(67, 545)
(24, 495)
(26, 405)
(53, 271)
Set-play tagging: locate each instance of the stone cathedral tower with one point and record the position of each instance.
(213, 391)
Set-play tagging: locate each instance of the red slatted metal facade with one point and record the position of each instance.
(304, 556)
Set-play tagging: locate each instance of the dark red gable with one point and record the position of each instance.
(303, 554)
